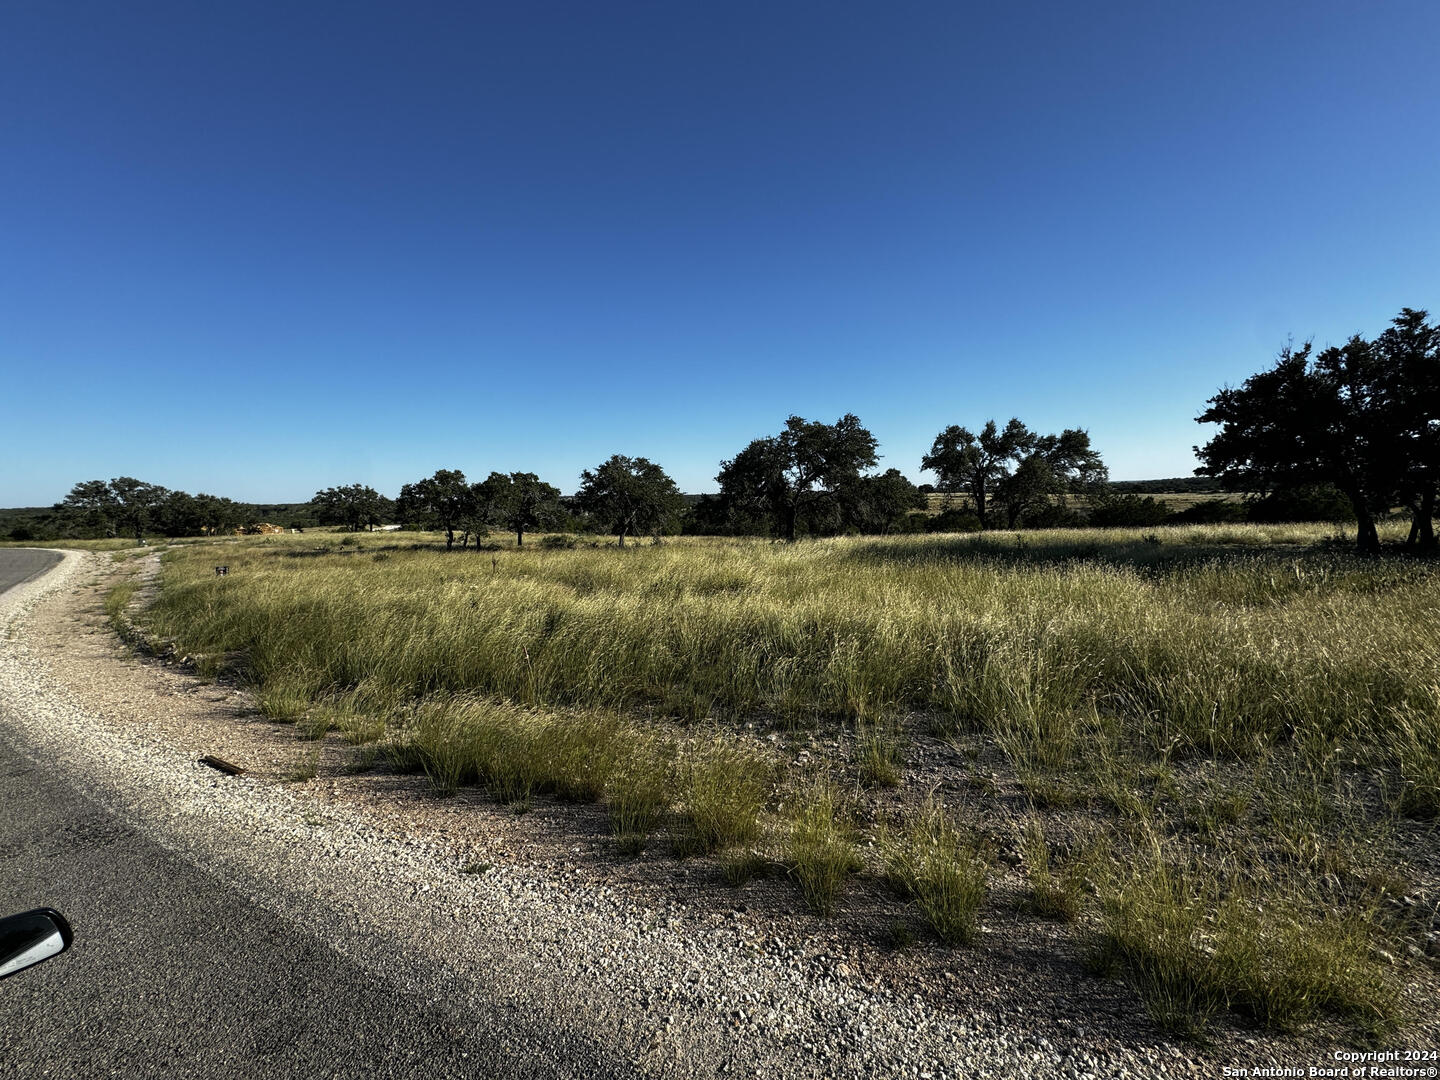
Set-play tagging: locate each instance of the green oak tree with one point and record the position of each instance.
(786, 478)
(629, 496)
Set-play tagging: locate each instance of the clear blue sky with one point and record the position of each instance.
(258, 249)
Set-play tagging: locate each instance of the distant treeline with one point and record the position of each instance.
(1175, 485)
(1348, 434)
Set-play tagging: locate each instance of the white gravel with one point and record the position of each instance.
(649, 982)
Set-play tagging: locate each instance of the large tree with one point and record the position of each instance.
(93, 504)
(442, 501)
(629, 496)
(523, 502)
(878, 504)
(1054, 466)
(218, 514)
(787, 476)
(1362, 416)
(124, 504)
(136, 502)
(355, 506)
(1409, 352)
(977, 464)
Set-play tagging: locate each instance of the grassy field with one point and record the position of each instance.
(1216, 749)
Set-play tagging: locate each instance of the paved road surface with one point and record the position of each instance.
(176, 974)
(21, 564)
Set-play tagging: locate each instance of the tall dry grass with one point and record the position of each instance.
(1102, 667)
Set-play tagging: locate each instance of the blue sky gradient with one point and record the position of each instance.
(260, 249)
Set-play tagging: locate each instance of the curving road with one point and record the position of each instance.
(176, 973)
(19, 565)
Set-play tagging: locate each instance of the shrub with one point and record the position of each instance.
(1129, 511)
(954, 520)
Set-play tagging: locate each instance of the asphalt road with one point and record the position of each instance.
(21, 564)
(176, 974)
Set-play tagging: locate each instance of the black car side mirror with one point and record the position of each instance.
(30, 937)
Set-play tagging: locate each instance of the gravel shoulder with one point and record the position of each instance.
(529, 928)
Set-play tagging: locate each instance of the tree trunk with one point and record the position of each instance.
(1367, 539)
(1422, 525)
(449, 539)
(979, 494)
(790, 516)
(519, 537)
(622, 536)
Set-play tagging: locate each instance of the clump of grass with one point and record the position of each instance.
(1049, 791)
(902, 934)
(306, 767)
(285, 697)
(1050, 895)
(638, 794)
(1286, 965)
(1153, 932)
(739, 865)
(584, 751)
(1216, 813)
(359, 729)
(943, 870)
(822, 853)
(1411, 740)
(1192, 944)
(363, 759)
(117, 600)
(879, 754)
(436, 742)
(722, 789)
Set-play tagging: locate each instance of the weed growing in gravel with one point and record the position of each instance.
(306, 767)
(902, 934)
(822, 853)
(943, 870)
(740, 864)
(363, 759)
(1050, 895)
(879, 753)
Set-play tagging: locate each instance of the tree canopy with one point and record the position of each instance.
(1014, 467)
(1363, 416)
(443, 501)
(628, 496)
(124, 504)
(355, 506)
(782, 479)
(523, 502)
